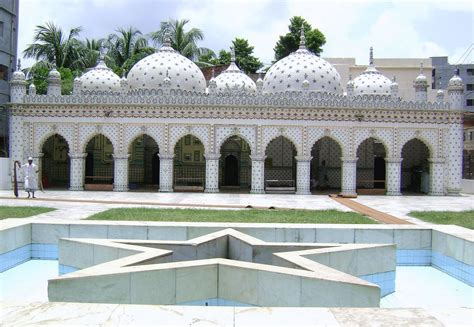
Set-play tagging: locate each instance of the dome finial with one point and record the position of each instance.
(302, 38)
(101, 53)
(167, 39)
(421, 67)
(213, 72)
(394, 78)
(371, 56)
(18, 66)
(232, 54)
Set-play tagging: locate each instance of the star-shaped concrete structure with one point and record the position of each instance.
(226, 267)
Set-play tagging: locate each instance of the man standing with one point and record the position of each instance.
(31, 180)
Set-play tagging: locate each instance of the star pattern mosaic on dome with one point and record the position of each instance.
(455, 83)
(100, 78)
(233, 80)
(371, 81)
(302, 70)
(151, 71)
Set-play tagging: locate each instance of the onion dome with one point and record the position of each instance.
(440, 96)
(18, 75)
(233, 79)
(100, 78)
(421, 82)
(32, 89)
(150, 72)
(350, 86)
(289, 73)
(54, 76)
(455, 83)
(371, 81)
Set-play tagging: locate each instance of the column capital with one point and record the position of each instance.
(438, 160)
(393, 160)
(303, 158)
(258, 158)
(77, 155)
(212, 156)
(121, 155)
(166, 155)
(349, 159)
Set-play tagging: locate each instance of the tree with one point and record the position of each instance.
(183, 42)
(243, 54)
(290, 41)
(123, 45)
(52, 47)
(89, 52)
(39, 77)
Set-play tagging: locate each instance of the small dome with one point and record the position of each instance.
(18, 76)
(455, 83)
(233, 79)
(371, 81)
(100, 78)
(440, 92)
(54, 75)
(150, 72)
(289, 73)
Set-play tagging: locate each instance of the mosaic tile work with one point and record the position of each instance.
(414, 257)
(453, 267)
(22, 254)
(385, 280)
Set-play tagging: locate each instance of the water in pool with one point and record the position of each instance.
(424, 287)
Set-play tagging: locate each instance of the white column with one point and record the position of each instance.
(212, 172)
(77, 169)
(436, 176)
(349, 173)
(121, 172)
(454, 148)
(303, 164)
(393, 175)
(258, 174)
(166, 172)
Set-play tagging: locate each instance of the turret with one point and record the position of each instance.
(212, 84)
(421, 86)
(54, 82)
(259, 84)
(17, 85)
(32, 89)
(350, 87)
(394, 88)
(440, 96)
(123, 84)
(77, 86)
(456, 91)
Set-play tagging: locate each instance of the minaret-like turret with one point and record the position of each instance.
(77, 86)
(394, 87)
(421, 86)
(123, 84)
(17, 85)
(456, 91)
(350, 87)
(440, 96)
(259, 84)
(54, 82)
(212, 83)
(32, 89)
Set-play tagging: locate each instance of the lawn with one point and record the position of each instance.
(241, 216)
(21, 212)
(460, 218)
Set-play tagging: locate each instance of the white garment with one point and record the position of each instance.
(31, 180)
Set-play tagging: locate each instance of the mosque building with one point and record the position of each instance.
(297, 130)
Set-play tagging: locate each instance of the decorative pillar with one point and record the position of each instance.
(454, 153)
(121, 172)
(436, 176)
(303, 164)
(166, 172)
(212, 172)
(349, 173)
(258, 174)
(393, 175)
(77, 169)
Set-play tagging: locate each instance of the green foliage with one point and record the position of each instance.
(39, 73)
(460, 218)
(123, 45)
(245, 216)
(22, 212)
(289, 42)
(130, 62)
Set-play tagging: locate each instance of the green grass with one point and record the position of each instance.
(21, 212)
(460, 218)
(241, 216)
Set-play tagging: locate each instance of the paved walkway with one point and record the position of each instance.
(79, 205)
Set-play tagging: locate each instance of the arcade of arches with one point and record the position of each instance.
(235, 167)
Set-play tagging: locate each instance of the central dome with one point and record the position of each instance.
(100, 78)
(302, 70)
(151, 71)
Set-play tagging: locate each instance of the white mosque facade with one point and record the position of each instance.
(297, 130)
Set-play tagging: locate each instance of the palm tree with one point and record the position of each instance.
(89, 52)
(124, 45)
(183, 42)
(50, 46)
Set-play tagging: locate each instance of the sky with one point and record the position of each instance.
(396, 29)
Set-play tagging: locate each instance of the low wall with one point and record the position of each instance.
(467, 186)
(5, 174)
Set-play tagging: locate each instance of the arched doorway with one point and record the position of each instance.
(144, 164)
(415, 167)
(189, 166)
(280, 166)
(371, 167)
(325, 175)
(55, 163)
(235, 165)
(99, 164)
